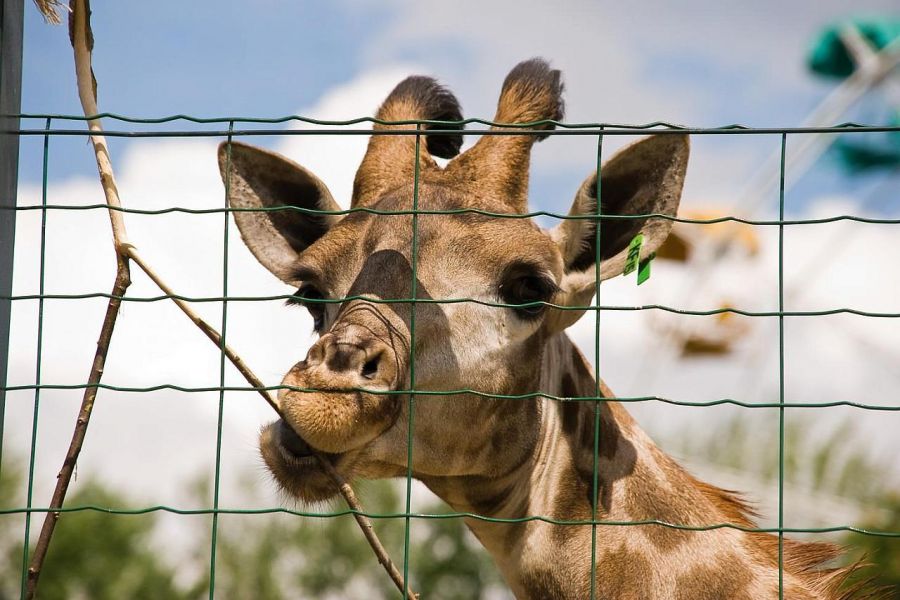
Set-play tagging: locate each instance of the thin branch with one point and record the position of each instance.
(365, 524)
(82, 42)
(81, 425)
(206, 328)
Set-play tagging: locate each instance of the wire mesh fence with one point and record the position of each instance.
(232, 128)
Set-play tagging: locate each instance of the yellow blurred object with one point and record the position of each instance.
(719, 335)
(719, 338)
(686, 236)
(674, 248)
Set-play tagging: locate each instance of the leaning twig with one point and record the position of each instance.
(82, 42)
(205, 327)
(364, 522)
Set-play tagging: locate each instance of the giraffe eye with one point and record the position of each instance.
(308, 296)
(528, 290)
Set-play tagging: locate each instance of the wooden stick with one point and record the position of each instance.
(82, 42)
(364, 522)
(206, 328)
(81, 425)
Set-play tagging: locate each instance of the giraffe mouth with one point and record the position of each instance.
(295, 464)
(292, 446)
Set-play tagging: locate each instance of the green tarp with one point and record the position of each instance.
(864, 153)
(829, 57)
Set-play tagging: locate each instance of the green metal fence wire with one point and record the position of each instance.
(411, 398)
(459, 211)
(38, 362)
(250, 126)
(222, 361)
(781, 370)
(473, 392)
(595, 469)
(593, 307)
(446, 515)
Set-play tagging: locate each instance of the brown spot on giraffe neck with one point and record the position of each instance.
(579, 422)
(583, 423)
(727, 579)
(541, 586)
(622, 573)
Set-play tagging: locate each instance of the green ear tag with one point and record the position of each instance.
(644, 270)
(634, 254)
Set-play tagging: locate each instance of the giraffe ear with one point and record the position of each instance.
(642, 179)
(271, 187)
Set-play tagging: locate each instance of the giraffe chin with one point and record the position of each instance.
(291, 461)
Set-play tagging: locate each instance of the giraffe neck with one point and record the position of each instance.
(635, 482)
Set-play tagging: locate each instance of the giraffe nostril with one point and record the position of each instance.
(370, 368)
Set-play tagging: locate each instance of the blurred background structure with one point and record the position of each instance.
(762, 64)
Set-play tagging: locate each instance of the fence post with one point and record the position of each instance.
(11, 24)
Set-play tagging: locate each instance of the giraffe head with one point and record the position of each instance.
(355, 273)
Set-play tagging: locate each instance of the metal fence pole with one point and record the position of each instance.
(11, 24)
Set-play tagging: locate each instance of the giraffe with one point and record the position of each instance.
(480, 452)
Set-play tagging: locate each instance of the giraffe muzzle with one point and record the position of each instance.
(339, 398)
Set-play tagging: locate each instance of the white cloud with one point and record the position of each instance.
(335, 158)
(827, 358)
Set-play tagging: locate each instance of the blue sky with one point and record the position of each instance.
(201, 58)
(695, 63)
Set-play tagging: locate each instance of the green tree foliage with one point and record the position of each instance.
(838, 463)
(98, 555)
(10, 526)
(94, 555)
(882, 552)
(327, 557)
(276, 556)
